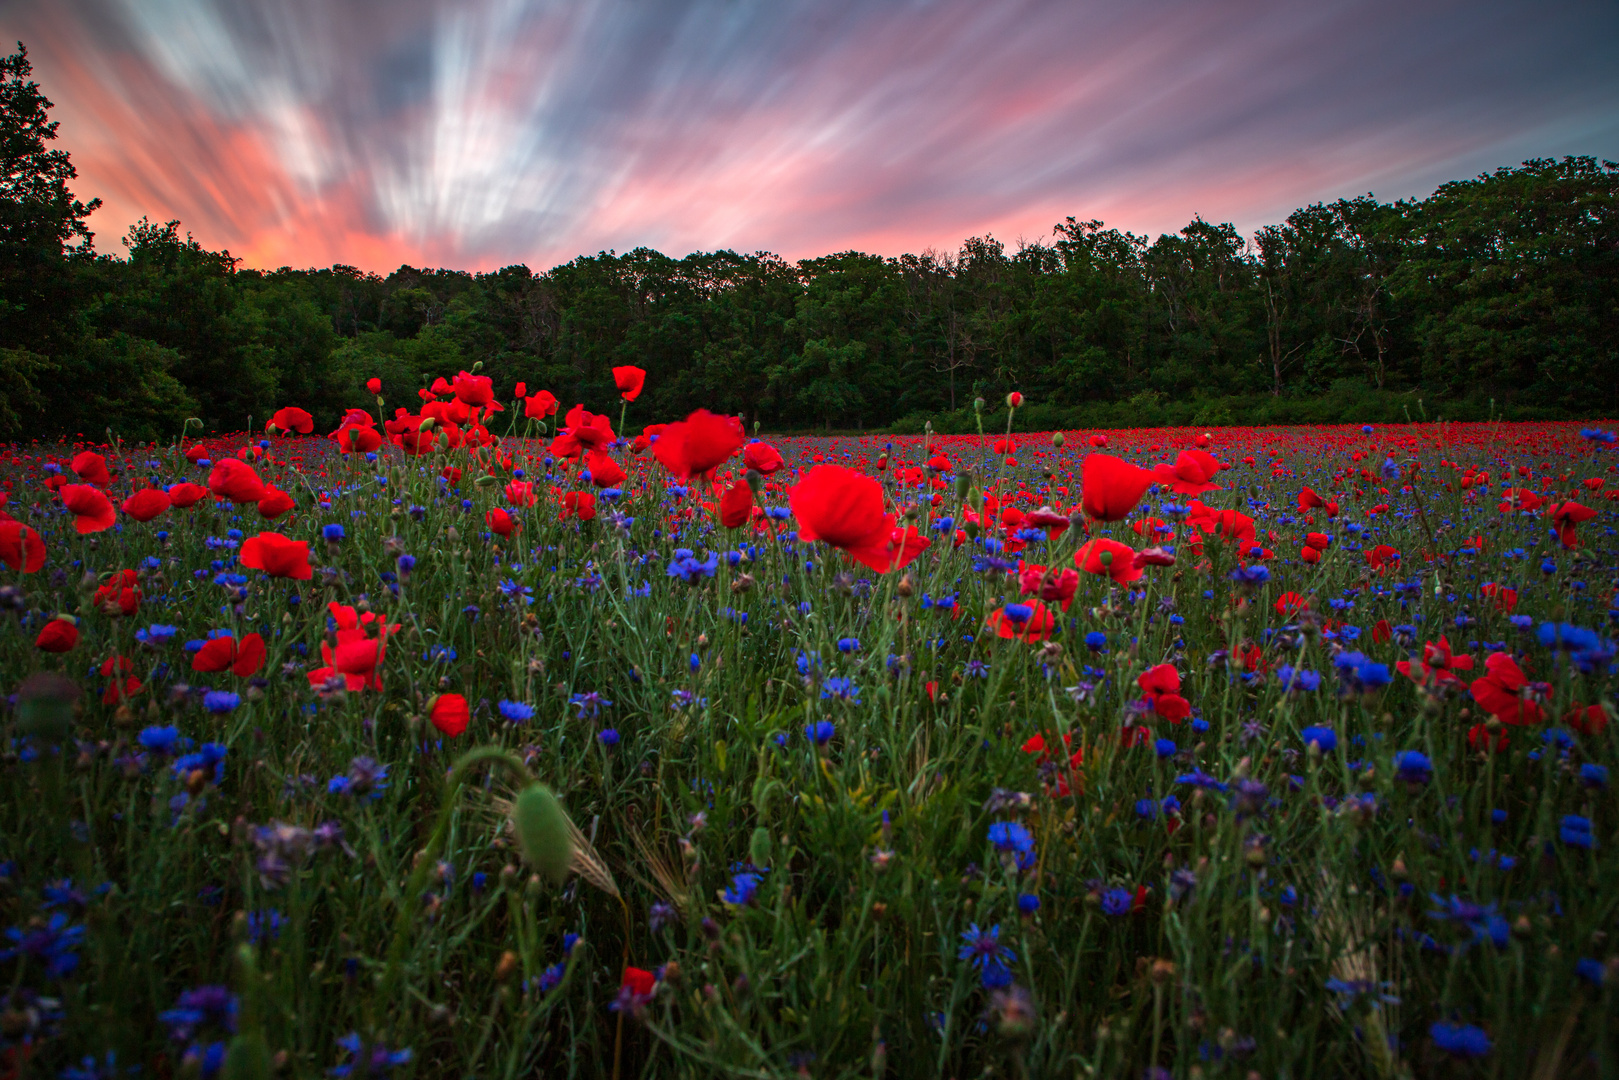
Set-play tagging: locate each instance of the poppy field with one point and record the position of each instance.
(495, 738)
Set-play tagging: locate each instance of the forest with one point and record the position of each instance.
(1494, 297)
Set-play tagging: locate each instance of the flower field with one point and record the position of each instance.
(496, 739)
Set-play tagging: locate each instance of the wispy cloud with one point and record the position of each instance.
(475, 133)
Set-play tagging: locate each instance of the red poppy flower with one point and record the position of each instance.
(357, 439)
(1309, 500)
(629, 381)
(1050, 585)
(845, 509)
(187, 494)
(449, 713)
(58, 636)
(521, 493)
(638, 982)
(604, 471)
(225, 653)
(762, 458)
(588, 428)
(123, 684)
(374, 385)
(1112, 487)
(1564, 516)
(580, 504)
(736, 506)
(1500, 691)
(1037, 627)
(92, 511)
(540, 405)
(146, 504)
(290, 419)
(1110, 558)
(1290, 602)
(21, 548)
(235, 480)
(1438, 666)
(277, 556)
(1161, 688)
(1586, 719)
(196, 452)
(1318, 541)
(473, 389)
(119, 596)
(358, 655)
(91, 468)
(1480, 738)
(1505, 599)
(699, 443)
(1382, 555)
(275, 503)
(500, 523)
(1192, 473)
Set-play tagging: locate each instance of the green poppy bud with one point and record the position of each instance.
(247, 1058)
(1105, 558)
(45, 704)
(427, 423)
(485, 480)
(964, 483)
(1057, 439)
(759, 847)
(542, 832)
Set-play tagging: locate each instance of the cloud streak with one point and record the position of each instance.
(476, 133)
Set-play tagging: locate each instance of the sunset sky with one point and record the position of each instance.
(478, 133)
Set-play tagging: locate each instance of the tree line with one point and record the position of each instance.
(1494, 296)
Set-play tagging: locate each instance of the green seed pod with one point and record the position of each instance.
(427, 423)
(247, 1058)
(1057, 439)
(485, 480)
(759, 847)
(964, 483)
(45, 706)
(542, 832)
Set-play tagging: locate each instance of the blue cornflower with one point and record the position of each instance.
(1575, 831)
(820, 732)
(1117, 902)
(589, 705)
(156, 635)
(1295, 680)
(517, 712)
(160, 740)
(608, 736)
(380, 1060)
(1028, 903)
(848, 645)
(1592, 971)
(52, 944)
(983, 948)
(1165, 748)
(1460, 1040)
(1323, 737)
(439, 654)
(1096, 641)
(1594, 776)
(1011, 836)
(840, 689)
(264, 925)
(516, 590)
(1413, 767)
(211, 758)
(1018, 614)
(687, 567)
(332, 533)
(976, 669)
(220, 702)
(205, 1005)
(743, 890)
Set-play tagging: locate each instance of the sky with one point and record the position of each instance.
(475, 134)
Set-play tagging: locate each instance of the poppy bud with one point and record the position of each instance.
(45, 704)
(1105, 558)
(755, 480)
(978, 404)
(427, 423)
(964, 483)
(542, 832)
(971, 529)
(485, 480)
(759, 847)
(1057, 439)
(477, 367)
(1014, 400)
